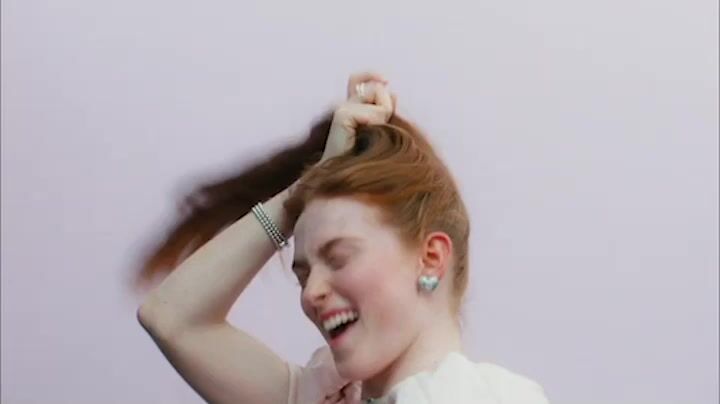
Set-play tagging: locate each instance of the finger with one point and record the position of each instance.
(351, 391)
(363, 77)
(394, 102)
(373, 93)
(333, 398)
(365, 114)
(382, 97)
(366, 92)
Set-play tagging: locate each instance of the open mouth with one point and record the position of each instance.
(340, 323)
(341, 329)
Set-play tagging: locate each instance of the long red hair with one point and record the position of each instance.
(392, 166)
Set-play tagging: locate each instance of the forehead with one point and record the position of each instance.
(323, 219)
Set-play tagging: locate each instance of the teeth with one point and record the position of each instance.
(339, 319)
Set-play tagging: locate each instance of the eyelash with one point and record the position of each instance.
(335, 262)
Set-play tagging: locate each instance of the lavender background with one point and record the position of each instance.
(584, 136)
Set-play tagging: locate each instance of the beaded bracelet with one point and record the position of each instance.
(270, 228)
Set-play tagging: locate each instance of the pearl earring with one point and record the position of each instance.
(428, 282)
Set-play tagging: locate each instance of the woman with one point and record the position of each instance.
(381, 243)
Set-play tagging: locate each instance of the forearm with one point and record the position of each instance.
(206, 285)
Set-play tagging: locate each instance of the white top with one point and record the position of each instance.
(456, 380)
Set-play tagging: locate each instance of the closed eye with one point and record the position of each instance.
(336, 261)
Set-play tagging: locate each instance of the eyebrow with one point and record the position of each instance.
(323, 251)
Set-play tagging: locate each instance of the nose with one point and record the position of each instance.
(316, 291)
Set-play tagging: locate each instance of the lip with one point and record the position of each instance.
(337, 342)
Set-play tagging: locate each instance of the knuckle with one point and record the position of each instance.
(343, 109)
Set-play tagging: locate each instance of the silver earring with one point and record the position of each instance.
(428, 282)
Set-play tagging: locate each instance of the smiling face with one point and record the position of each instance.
(347, 259)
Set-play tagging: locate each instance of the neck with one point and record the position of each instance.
(432, 345)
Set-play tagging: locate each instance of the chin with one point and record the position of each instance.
(355, 370)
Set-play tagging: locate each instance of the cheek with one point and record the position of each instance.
(381, 285)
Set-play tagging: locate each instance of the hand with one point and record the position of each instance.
(369, 103)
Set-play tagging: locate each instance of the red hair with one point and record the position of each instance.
(395, 168)
(391, 166)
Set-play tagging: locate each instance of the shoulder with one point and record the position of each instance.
(465, 381)
(510, 386)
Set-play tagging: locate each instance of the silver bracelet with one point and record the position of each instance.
(270, 228)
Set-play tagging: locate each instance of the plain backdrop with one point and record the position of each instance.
(584, 136)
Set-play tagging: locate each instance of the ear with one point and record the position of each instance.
(436, 254)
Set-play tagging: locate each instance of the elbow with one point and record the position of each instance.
(143, 316)
(158, 325)
(149, 312)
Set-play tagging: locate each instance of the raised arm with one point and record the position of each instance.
(186, 314)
